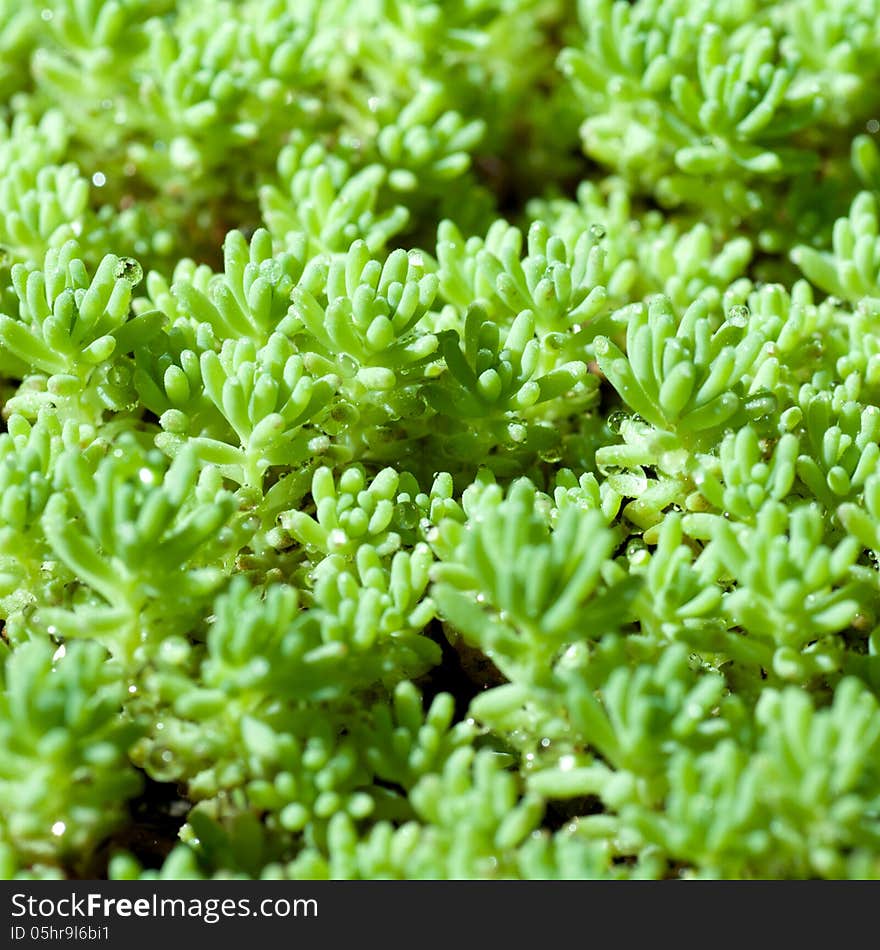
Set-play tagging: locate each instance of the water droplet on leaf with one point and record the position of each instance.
(636, 549)
(407, 515)
(616, 420)
(129, 269)
(738, 316)
(348, 366)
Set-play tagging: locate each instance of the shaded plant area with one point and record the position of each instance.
(439, 440)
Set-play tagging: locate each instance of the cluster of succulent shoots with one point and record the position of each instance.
(440, 440)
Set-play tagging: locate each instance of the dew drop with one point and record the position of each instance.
(129, 269)
(873, 126)
(46, 15)
(616, 420)
(597, 232)
(738, 316)
(59, 653)
(347, 365)
(566, 763)
(99, 179)
(636, 549)
(146, 476)
(545, 743)
(407, 514)
(59, 827)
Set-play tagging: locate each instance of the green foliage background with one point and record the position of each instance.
(442, 440)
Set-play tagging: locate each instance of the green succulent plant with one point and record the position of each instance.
(440, 440)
